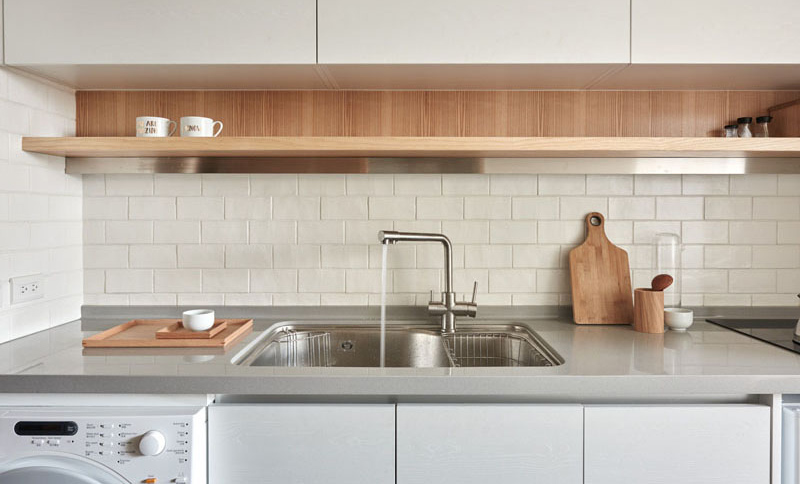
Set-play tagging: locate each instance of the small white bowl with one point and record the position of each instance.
(198, 319)
(678, 319)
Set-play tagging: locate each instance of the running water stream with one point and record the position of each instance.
(385, 249)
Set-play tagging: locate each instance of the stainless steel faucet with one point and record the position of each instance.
(448, 307)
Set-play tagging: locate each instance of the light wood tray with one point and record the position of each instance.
(177, 331)
(141, 333)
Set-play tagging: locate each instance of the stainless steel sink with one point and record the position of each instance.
(407, 346)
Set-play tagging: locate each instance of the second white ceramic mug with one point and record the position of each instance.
(154, 127)
(199, 126)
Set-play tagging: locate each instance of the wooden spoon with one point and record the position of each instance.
(661, 282)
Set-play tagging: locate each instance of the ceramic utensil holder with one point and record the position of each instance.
(648, 311)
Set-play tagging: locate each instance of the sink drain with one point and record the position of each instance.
(347, 345)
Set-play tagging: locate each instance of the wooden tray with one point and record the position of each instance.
(177, 331)
(141, 333)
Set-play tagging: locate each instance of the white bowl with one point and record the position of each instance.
(678, 319)
(198, 319)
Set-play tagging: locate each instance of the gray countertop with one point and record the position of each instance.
(600, 362)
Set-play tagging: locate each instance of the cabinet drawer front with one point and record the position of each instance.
(667, 444)
(160, 32)
(480, 444)
(473, 31)
(299, 443)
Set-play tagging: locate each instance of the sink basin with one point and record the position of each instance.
(407, 346)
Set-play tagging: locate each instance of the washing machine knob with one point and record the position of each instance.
(152, 443)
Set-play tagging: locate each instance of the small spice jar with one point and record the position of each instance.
(731, 131)
(763, 126)
(744, 127)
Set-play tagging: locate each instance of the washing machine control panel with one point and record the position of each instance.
(148, 446)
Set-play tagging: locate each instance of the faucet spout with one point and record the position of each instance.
(448, 307)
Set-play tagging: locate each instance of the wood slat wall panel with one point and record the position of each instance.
(440, 113)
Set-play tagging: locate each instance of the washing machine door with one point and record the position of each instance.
(57, 469)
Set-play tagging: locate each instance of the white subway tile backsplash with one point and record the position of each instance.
(174, 185)
(577, 208)
(788, 185)
(463, 184)
(214, 185)
(776, 208)
(754, 184)
(753, 281)
(201, 208)
(273, 185)
(248, 208)
(729, 208)
(440, 208)
(562, 185)
(129, 280)
(344, 208)
(679, 208)
(129, 232)
(706, 184)
(177, 280)
(153, 256)
(151, 208)
(417, 185)
(201, 256)
(321, 246)
(369, 184)
(513, 232)
(487, 208)
(329, 185)
(174, 232)
(296, 208)
(320, 232)
(657, 184)
(632, 208)
(788, 280)
(753, 232)
(273, 232)
(513, 185)
(224, 232)
(609, 185)
(129, 185)
(535, 208)
(247, 256)
(776, 256)
(705, 232)
(225, 280)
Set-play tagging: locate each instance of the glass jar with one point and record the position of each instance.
(744, 127)
(731, 131)
(667, 254)
(763, 126)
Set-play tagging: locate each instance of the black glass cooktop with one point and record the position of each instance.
(778, 332)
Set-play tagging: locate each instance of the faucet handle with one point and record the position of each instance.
(433, 301)
(475, 291)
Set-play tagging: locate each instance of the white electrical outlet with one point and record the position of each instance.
(26, 288)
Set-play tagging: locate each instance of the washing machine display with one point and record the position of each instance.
(104, 445)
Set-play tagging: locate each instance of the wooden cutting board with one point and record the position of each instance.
(141, 333)
(600, 277)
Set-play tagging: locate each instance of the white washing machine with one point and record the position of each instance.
(106, 445)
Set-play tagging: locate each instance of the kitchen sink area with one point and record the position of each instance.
(407, 345)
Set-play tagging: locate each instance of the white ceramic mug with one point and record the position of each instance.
(199, 126)
(154, 127)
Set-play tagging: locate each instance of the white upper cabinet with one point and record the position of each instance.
(715, 32)
(474, 32)
(81, 32)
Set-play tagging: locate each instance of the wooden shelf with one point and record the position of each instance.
(414, 147)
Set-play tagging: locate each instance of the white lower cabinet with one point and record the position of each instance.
(464, 444)
(684, 444)
(301, 443)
